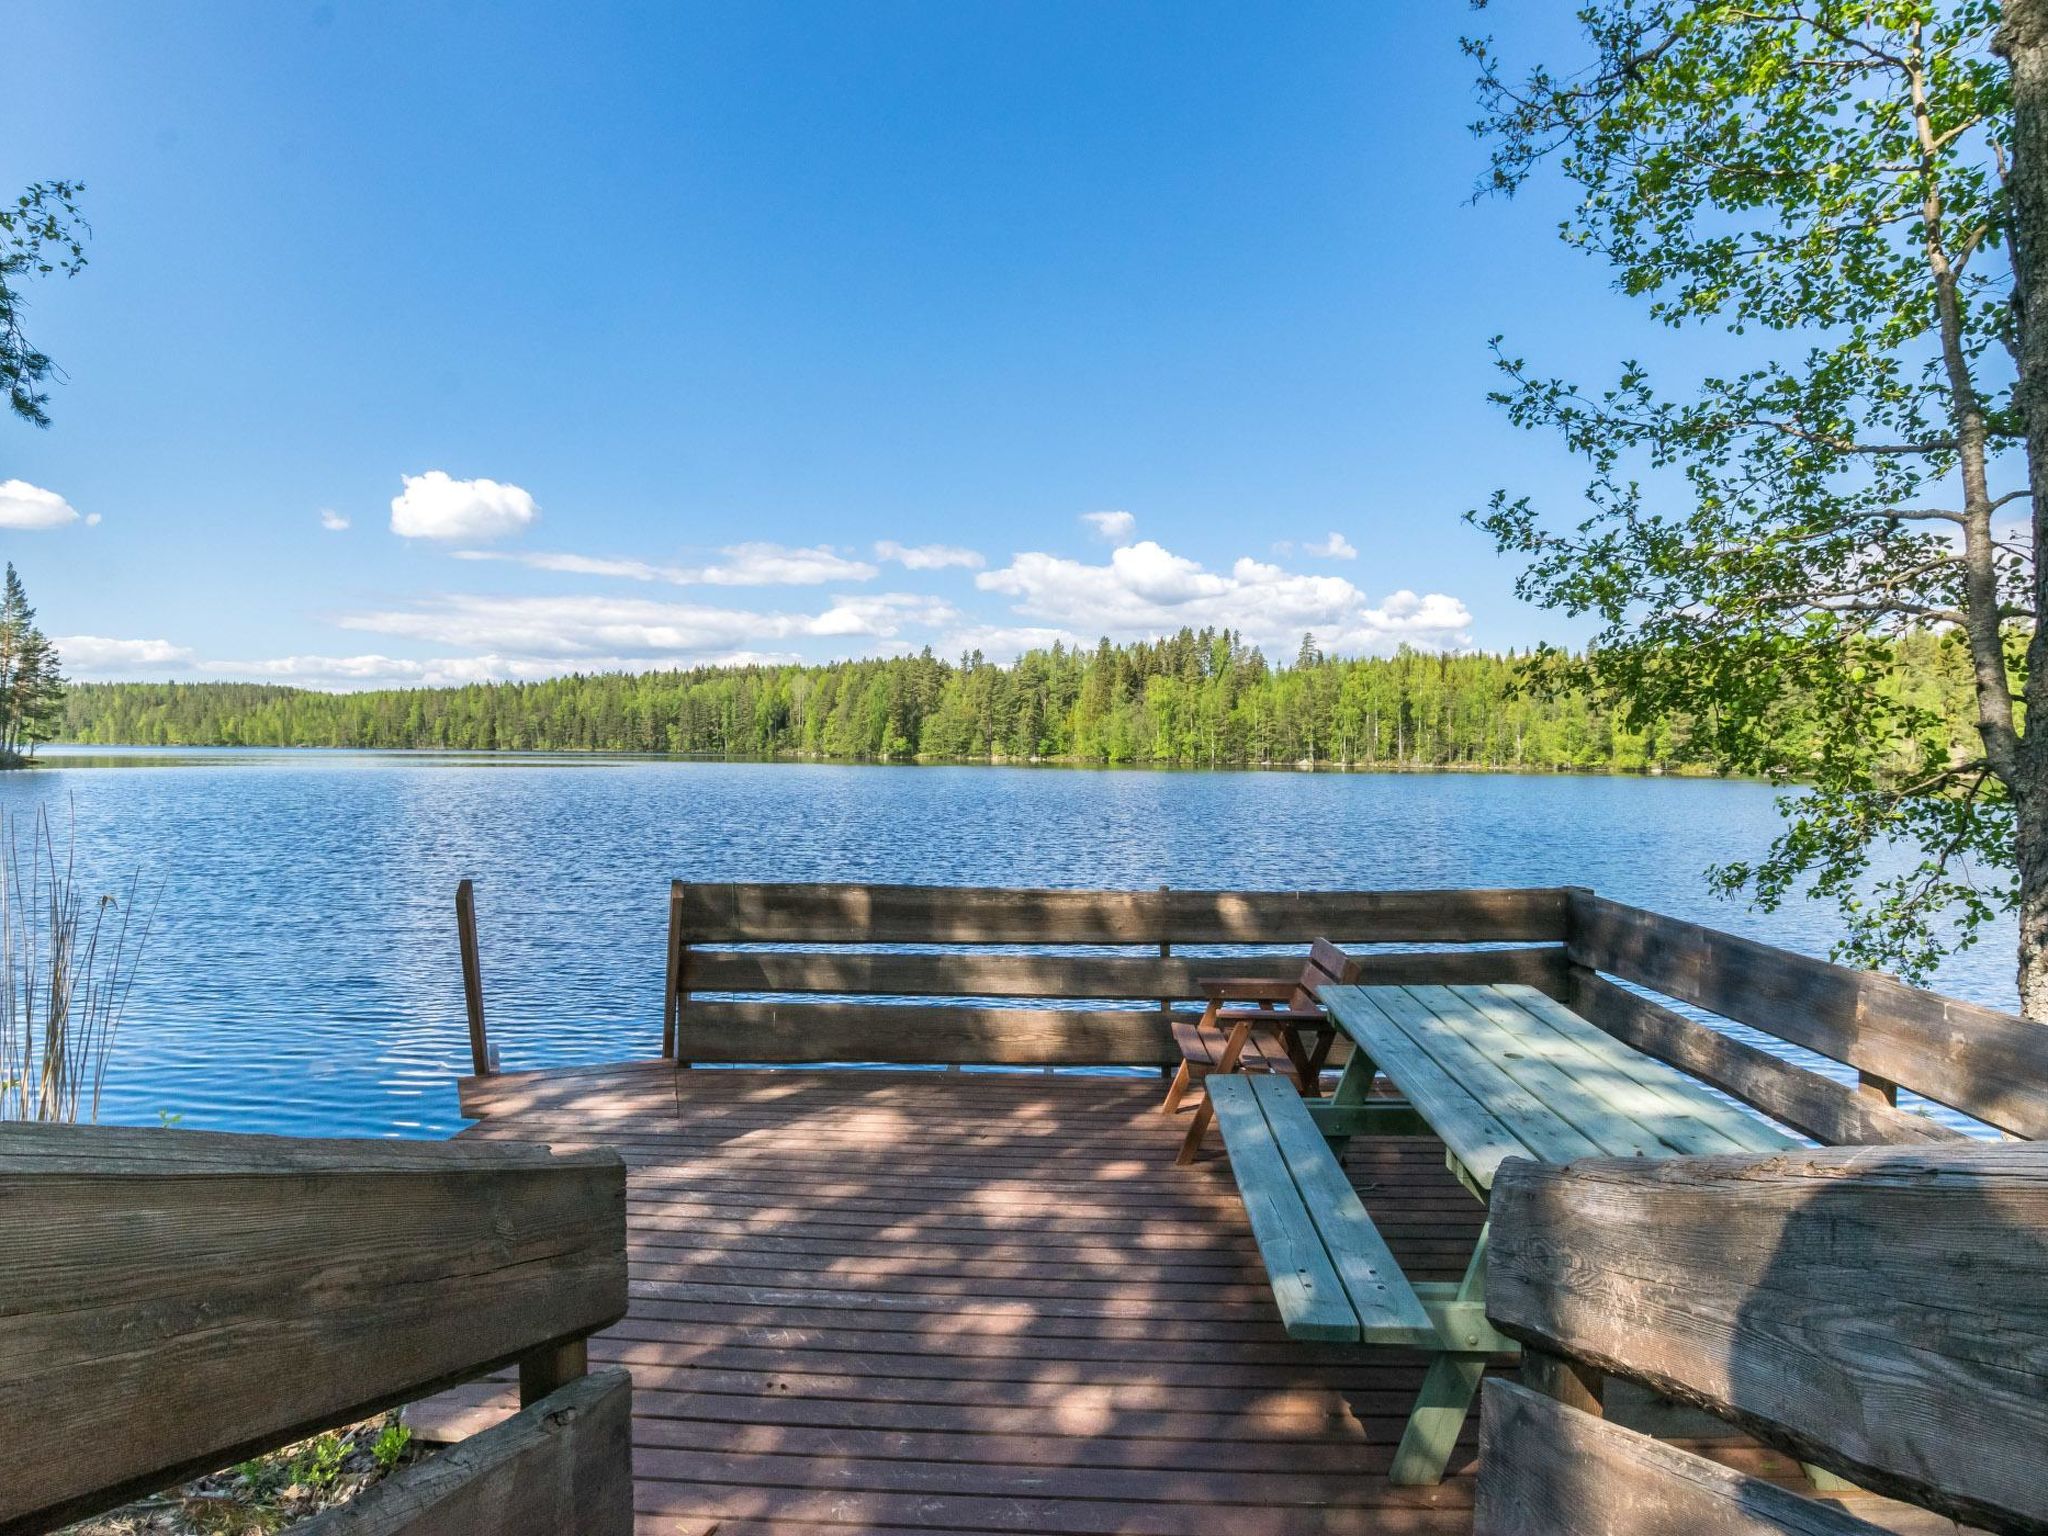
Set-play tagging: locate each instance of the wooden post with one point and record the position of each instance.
(1880, 1089)
(1575, 1385)
(672, 1000)
(472, 978)
(550, 1367)
(1165, 1003)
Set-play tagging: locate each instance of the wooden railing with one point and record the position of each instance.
(791, 974)
(1880, 1312)
(961, 1003)
(172, 1302)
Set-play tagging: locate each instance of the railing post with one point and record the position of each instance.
(472, 978)
(551, 1367)
(672, 999)
(1165, 1003)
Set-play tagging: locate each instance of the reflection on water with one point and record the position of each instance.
(303, 978)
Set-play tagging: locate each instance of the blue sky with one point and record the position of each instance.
(649, 335)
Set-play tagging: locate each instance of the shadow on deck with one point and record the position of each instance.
(896, 1301)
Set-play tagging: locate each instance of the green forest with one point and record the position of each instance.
(1198, 699)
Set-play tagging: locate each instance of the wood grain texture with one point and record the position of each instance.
(810, 1032)
(1079, 977)
(1986, 1063)
(562, 1467)
(1817, 1106)
(914, 1303)
(1550, 1470)
(174, 1300)
(1879, 1311)
(917, 914)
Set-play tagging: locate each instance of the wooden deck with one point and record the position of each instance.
(897, 1302)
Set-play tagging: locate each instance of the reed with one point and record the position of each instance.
(67, 964)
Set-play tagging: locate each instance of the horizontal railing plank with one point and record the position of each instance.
(563, 1467)
(919, 914)
(1814, 1105)
(1550, 1470)
(174, 1300)
(1879, 1311)
(923, 1035)
(1081, 977)
(1986, 1063)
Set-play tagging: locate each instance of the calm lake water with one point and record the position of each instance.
(302, 976)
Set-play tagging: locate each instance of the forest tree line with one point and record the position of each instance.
(1197, 699)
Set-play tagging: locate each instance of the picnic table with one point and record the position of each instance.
(1495, 1072)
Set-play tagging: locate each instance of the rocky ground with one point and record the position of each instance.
(271, 1492)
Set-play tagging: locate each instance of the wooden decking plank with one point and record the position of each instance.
(1741, 1130)
(918, 1303)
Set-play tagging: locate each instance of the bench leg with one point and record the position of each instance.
(1240, 1036)
(1438, 1415)
(1183, 1080)
(1448, 1388)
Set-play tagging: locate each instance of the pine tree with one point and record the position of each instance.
(31, 689)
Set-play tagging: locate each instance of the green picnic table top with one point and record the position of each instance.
(1504, 1071)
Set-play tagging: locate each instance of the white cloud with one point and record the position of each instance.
(776, 565)
(433, 506)
(928, 557)
(333, 521)
(99, 656)
(1114, 527)
(589, 627)
(582, 565)
(1335, 547)
(1147, 590)
(25, 507)
(743, 565)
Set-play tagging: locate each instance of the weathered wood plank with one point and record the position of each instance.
(1879, 1311)
(1389, 1311)
(1989, 1064)
(1600, 1106)
(563, 1466)
(908, 1033)
(1529, 1118)
(1474, 1135)
(1737, 1130)
(1825, 1110)
(1310, 1294)
(917, 914)
(175, 1300)
(1080, 977)
(1550, 1470)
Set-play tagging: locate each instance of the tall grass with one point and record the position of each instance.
(67, 963)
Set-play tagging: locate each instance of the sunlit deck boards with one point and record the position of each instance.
(901, 1302)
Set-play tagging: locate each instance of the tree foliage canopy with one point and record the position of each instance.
(1826, 183)
(41, 233)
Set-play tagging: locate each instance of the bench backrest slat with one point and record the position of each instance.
(1549, 1470)
(843, 996)
(176, 1300)
(1879, 1311)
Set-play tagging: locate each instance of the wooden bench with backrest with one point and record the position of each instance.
(190, 1299)
(1881, 1312)
(920, 975)
(1267, 1036)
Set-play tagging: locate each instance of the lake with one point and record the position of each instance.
(302, 975)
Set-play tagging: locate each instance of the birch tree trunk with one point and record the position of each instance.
(2023, 40)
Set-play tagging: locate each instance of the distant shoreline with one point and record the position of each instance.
(68, 749)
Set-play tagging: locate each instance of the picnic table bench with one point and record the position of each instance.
(1496, 1072)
